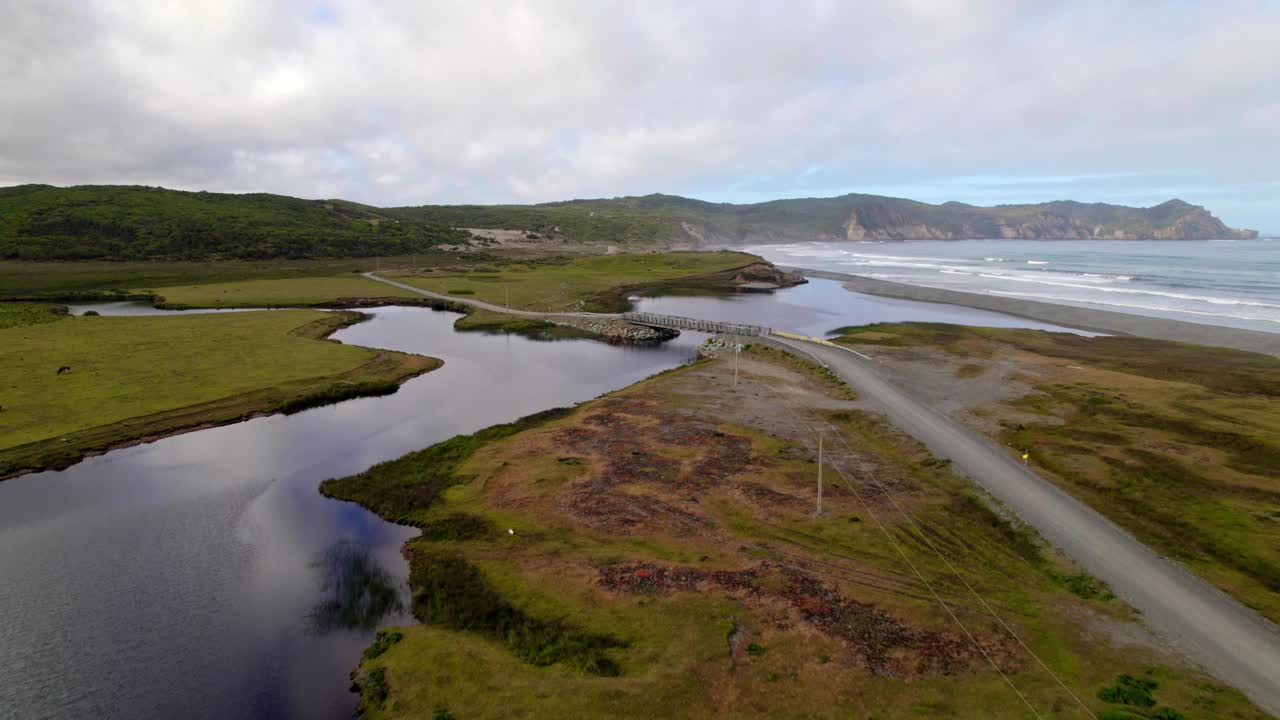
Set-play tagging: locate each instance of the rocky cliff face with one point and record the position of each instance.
(1174, 220)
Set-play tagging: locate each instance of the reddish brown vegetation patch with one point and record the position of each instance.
(651, 577)
(876, 640)
(639, 488)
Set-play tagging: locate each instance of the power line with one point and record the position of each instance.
(929, 586)
(915, 526)
(924, 536)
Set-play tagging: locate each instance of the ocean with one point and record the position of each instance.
(1232, 283)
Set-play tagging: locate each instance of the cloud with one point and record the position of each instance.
(410, 102)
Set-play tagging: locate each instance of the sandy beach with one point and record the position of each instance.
(1102, 321)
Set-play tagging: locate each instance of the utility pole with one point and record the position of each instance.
(737, 348)
(819, 510)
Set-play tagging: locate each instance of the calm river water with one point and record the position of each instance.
(193, 577)
(182, 578)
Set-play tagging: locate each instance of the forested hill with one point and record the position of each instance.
(671, 219)
(40, 222)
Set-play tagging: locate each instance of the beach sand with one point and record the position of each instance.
(1101, 321)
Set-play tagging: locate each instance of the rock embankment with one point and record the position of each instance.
(615, 330)
(766, 276)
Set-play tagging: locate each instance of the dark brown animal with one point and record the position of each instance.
(64, 369)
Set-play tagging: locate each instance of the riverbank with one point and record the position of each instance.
(122, 372)
(654, 553)
(1101, 321)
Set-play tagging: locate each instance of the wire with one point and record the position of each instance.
(920, 532)
(892, 541)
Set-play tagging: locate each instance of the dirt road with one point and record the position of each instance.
(1226, 638)
(484, 305)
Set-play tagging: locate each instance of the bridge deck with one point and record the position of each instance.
(684, 323)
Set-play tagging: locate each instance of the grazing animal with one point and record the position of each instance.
(64, 369)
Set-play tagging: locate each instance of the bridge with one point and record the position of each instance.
(683, 323)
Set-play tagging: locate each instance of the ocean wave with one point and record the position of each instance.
(1134, 291)
(926, 258)
(1136, 306)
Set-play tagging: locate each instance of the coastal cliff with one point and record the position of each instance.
(672, 221)
(1064, 220)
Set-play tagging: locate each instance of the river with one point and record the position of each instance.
(195, 576)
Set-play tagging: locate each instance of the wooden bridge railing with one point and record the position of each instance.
(684, 323)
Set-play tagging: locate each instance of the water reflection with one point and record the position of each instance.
(176, 578)
(358, 591)
(137, 307)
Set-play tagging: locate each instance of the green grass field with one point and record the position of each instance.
(137, 376)
(19, 314)
(278, 293)
(644, 556)
(57, 279)
(585, 283)
(1178, 443)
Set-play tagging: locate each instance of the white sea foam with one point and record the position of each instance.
(1183, 279)
(1135, 306)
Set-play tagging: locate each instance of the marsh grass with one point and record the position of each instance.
(514, 623)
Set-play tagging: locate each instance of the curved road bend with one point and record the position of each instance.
(1229, 640)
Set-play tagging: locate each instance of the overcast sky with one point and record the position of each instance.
(425, 101)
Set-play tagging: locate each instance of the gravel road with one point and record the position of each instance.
(1229, 640)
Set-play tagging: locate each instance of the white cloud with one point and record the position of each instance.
(410, 102)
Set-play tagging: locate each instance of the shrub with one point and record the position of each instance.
(384, 641)
(1085, 586)
(457, 526)
(1129, 690)
(449, 591)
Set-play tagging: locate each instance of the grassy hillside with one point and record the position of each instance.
(667, 218)
(40, 222)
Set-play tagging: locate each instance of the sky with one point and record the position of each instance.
(413, 102)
